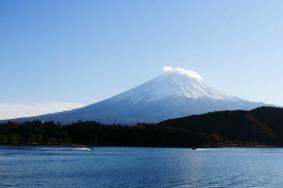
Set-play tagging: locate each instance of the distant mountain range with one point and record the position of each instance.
(175, 93)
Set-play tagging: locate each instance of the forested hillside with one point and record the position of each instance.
(262, 126)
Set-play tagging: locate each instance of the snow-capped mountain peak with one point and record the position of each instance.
(172, 82)
(175, 93)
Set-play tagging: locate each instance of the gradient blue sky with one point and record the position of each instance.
(68, 51)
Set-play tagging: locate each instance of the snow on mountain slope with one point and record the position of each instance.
(171, 84)
(175, 93)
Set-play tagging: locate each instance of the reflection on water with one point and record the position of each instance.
(140, 167)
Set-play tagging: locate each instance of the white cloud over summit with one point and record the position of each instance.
(189, 73)
(10, 111)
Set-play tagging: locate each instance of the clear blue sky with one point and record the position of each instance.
(85, 51)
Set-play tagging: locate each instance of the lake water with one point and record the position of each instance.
(140, 167)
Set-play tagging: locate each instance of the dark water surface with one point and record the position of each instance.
(140, 167)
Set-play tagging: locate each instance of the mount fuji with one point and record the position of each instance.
(175, 93)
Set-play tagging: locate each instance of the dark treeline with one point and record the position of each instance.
(262, 126)
(259, 127)
(95, 134)
(33, 133)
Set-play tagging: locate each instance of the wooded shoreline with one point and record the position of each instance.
(261, 127)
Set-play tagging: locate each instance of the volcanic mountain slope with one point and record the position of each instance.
(175, 93)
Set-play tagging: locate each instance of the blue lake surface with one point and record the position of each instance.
(140, 167)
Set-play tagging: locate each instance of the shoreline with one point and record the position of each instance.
(47, 145)
(115, 146)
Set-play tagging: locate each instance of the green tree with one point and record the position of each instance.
(38, 138)
(51, 140)
(14, 139)
(3, 139)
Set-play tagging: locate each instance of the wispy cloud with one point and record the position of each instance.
(10, 111)
(190, 73)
